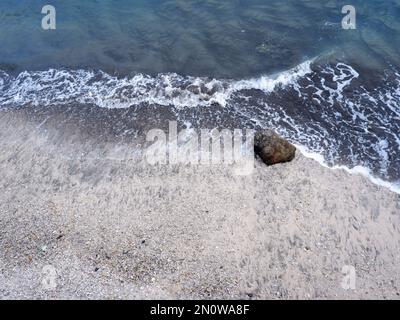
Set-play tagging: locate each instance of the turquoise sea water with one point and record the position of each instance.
(221, 38)
(284, 64)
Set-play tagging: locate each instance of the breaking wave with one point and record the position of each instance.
(99, 88)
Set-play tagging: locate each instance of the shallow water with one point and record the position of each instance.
(286, 64)
(221, 38)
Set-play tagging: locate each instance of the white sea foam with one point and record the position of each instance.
(357, 170)
(269, 83)
(80, 86)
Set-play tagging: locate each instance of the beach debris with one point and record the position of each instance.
(272, 148)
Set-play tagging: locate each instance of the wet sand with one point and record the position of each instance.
(76, 199)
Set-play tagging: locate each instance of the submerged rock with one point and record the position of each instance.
(273, 149)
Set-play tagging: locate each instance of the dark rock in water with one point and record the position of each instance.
(210, 90)
(273, 149)
(193, 88)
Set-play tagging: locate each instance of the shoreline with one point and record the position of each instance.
(358, 170)
(114, 229)
(129, 125)
(334, 110)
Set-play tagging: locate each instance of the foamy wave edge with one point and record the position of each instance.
(56, 86)
(358, 170)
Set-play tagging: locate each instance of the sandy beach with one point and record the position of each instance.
(75, 199)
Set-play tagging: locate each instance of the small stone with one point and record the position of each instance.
(273, 149)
